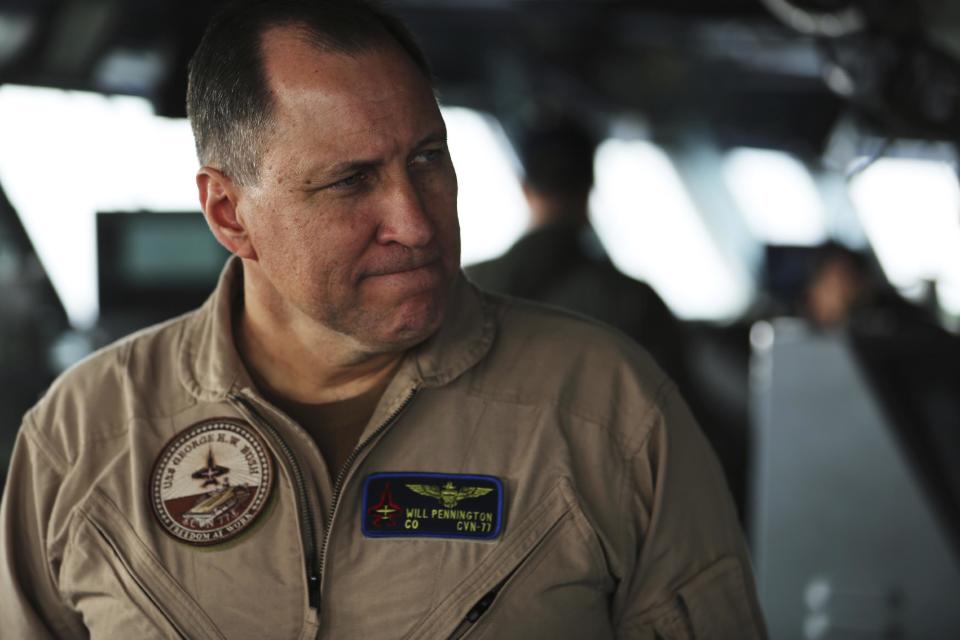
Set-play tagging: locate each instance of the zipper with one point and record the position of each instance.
(304, 511)
(478, 610)
(482, 605)
(344, 470)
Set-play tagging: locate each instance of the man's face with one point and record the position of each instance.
(354, 218)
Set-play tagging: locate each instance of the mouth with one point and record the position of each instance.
(401, 269)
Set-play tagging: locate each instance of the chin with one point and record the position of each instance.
(410, 325)
(399, 313)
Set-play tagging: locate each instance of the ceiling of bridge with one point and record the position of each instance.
(751, 72)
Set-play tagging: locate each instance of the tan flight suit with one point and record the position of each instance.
(616, 520)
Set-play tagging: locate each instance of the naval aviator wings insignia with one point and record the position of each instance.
(437, 505)
(449, 495)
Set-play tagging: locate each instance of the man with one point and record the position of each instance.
(561, 261)
(514, 472)
(843, 291)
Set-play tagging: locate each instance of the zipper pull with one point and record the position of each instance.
(313, 591)
(481, 607)
(474, 614)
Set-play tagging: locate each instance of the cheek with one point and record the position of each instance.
(287, 251)
(442, 194)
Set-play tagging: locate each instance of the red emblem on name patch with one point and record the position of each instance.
(211, 482)
(386, 513)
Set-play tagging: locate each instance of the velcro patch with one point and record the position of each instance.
(211, 482)
(432, 505)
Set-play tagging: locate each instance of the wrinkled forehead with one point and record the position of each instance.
(292, 60)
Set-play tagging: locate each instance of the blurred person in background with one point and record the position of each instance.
(837, 286)
(844, 290)
(561, 261)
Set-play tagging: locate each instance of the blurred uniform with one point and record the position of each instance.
(565, 265)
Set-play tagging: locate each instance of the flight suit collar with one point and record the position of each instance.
(463, 340)
(211, 369)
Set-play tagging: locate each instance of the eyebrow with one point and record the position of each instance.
(352, 166)
(342, 168)
(440, 135)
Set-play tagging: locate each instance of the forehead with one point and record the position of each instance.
(337, 96)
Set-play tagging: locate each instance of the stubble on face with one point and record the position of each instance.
(354, 217)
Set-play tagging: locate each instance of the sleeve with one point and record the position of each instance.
(30, 604)
(691, 576)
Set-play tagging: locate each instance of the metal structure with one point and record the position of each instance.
(847, 541)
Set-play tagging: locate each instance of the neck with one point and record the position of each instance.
(295, 358)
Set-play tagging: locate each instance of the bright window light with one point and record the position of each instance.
(66, 155)
(653, 232)
(493, 212)
(777, 196)
(910, 210)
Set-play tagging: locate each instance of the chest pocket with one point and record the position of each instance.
(119, 586)
(548, 579)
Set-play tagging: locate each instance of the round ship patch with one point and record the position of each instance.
(211, 482)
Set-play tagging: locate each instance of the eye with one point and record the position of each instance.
(427, 156)
(350, 181)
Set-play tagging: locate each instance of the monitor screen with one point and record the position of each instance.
(157, 264)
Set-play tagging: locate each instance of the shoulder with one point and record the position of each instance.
(538, 325)
(99, 396)
(544, 355)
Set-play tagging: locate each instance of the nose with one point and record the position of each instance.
(405, 218)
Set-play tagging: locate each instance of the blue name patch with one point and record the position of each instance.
(432, 505)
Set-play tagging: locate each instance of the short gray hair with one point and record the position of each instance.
(228, 100)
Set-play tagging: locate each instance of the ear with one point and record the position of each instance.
(219, 197)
